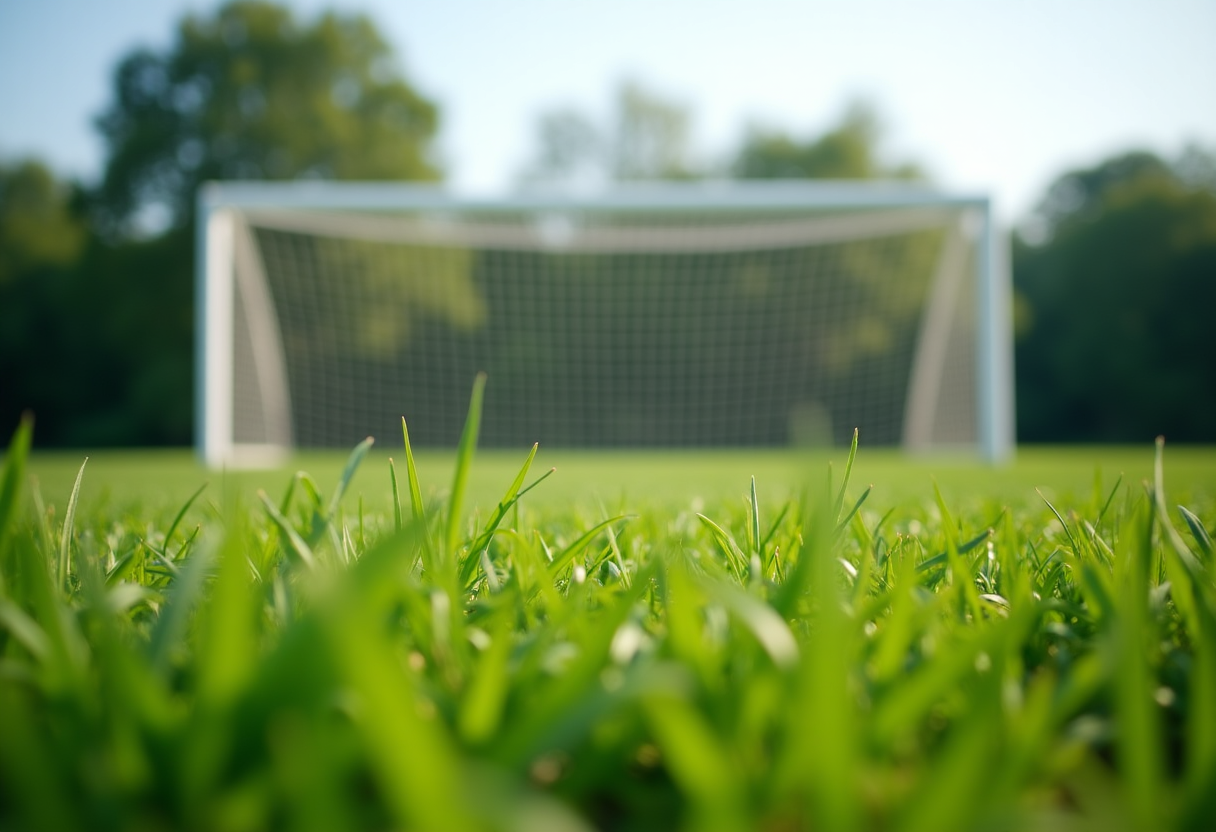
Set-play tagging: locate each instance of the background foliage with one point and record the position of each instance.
(1117, 344)
(97, 280)
(1115, 272)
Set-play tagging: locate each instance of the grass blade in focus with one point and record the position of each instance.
(69, 529)
(464, 461)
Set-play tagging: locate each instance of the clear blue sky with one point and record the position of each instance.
(998, 96)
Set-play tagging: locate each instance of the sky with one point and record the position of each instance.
(987, 96)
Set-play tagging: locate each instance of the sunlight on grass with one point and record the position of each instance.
(636, 641)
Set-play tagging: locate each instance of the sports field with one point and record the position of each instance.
(640, 641)
(642, 478)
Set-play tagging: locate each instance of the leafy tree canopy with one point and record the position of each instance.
(645, 138)
(847, 151)
(652, 137)
(648, 137)
(254, 93)
(1117, 286)
(37, 224)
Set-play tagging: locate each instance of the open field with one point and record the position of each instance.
(645, 477)
(639, 643)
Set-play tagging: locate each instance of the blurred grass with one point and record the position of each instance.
(672, 478)
(655, 641)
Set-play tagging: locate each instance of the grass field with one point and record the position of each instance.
(667, 478)
(642, 641)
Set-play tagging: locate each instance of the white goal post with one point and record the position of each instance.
(653, 315)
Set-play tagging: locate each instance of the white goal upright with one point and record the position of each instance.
(664, 315)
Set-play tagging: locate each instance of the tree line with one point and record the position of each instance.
(1114, 271)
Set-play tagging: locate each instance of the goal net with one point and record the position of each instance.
(693, 315)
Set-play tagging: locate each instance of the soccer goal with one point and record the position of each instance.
(664, 315)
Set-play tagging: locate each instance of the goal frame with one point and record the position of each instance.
(218, 228)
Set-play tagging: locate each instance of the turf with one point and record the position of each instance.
(646, 477)
(852, 640)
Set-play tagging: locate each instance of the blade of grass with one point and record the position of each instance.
(482, 707)
(761, 620)
(464, 461)
(775, 525)
(755, 518)
(954, 792)
(469, 567)
(412, 757)
(295, 542)
(181, 514)
(1198, 531)
(1201, 727)
(348, 473)
(417, 508)
(168, 633)
(65, 539)
(821, 753)
(730, 549)
(962, 573)
(843, 523)
(619, 559)
(313, 493)
(41, 796)
(942, 558)
(285, 502)
(533, 484)
(24, 629)
(227, 654)
(1131, 641)
(563, 558)
(10, 487)
(1177, 544)
(392, 475)
(1064, 523)
(699, 762)
(848, 471)
(1109, 499)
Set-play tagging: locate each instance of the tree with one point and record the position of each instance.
(253, 93)
(651, 140)
(41, 240)
(96, 287)
(94, 337)
(38, 228)
(646, 138)
(1117, 284)
(569, 148)
(847, 151)
(1080, 196)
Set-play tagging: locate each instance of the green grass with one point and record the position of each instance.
(666, 478)
(640, 641)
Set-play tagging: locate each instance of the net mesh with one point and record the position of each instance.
(606, 329)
